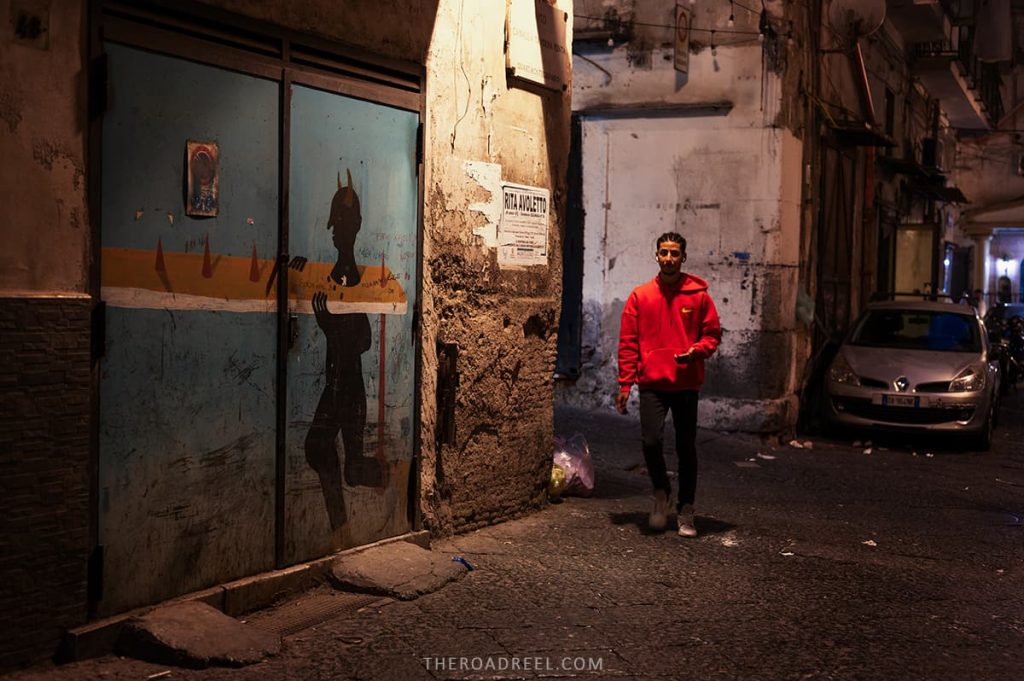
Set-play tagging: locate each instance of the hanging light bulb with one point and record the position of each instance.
(732, 15)
(714, 50)
(611, 42)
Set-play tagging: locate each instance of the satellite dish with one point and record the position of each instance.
(853, 19)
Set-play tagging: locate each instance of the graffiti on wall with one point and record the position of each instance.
(166, 280)
(342, 405)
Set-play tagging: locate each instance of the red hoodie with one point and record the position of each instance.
(660, 321)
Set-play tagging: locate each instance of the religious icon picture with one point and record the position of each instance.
(203, 197)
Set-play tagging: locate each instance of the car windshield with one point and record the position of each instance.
(918, 330)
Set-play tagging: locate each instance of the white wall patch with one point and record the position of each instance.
(488, 176)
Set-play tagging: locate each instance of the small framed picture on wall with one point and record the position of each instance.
(203, 193)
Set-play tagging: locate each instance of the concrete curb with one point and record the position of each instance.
(98, 638)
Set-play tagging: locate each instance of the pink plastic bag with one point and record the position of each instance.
(573, 455)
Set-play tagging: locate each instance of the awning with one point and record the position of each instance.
(858, 134)
(905, 166)
(939, 193)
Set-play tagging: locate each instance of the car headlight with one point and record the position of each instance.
(968, 380)
(842, 372)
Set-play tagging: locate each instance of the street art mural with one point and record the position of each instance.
(351, 370)
(342, 405)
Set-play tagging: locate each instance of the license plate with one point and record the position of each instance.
(901, 401)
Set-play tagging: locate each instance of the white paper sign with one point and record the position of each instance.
(538, 50)
(523, 230)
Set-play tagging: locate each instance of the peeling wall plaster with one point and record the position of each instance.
(488, 176)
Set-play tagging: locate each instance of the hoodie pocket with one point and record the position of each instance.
(660, 366)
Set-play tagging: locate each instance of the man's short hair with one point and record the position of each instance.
(671, 236)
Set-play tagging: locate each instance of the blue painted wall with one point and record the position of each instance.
(187, 397)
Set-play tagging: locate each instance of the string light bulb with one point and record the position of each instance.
(714, 50)
(732, 14)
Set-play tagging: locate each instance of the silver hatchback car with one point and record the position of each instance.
(916, 365)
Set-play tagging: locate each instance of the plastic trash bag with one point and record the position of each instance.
(573, 456)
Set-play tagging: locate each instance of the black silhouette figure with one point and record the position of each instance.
(342, 405)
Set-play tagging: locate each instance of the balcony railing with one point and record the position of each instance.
(982, 78)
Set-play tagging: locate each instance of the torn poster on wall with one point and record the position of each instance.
(523, 229)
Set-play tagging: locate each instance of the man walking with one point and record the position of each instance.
(669, 327)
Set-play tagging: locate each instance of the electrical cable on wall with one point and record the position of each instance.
(732, 31)
(469, 85)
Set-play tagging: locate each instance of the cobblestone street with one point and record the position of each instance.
(823, 562)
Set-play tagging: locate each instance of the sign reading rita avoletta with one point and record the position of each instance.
(523, 229)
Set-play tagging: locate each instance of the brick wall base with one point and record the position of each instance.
(45, 392)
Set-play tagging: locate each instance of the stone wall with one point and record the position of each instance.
(504, 321)
(45, 508)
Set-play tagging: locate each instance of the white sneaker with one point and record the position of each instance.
(659, 514)
(685, 522)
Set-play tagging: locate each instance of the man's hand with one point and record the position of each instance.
(621, 400)
(684, 357)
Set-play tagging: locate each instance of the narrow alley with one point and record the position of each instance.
(290, 288)
(822, 562)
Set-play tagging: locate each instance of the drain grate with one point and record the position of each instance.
(309, 610)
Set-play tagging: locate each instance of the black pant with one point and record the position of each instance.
(654, 407)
